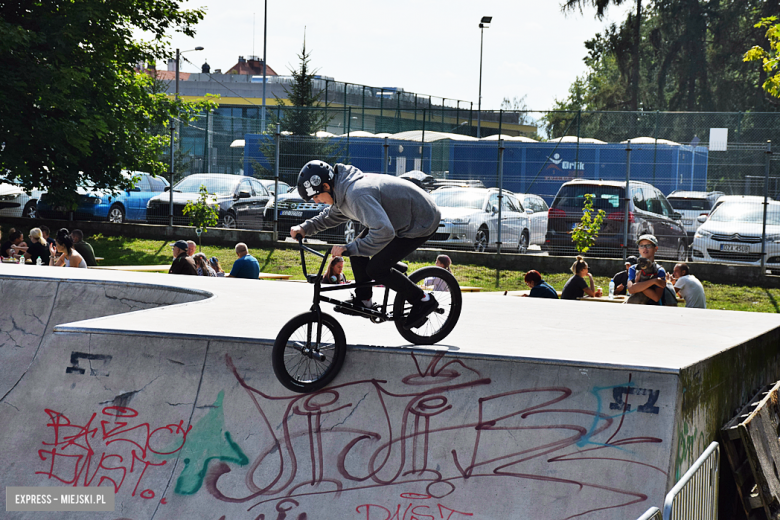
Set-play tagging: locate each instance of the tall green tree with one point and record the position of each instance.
(769, 58)
(299, 121)
(73, 109)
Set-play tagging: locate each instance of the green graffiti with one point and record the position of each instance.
(205, 442)
(689, 446)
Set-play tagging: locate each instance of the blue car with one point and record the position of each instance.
(115, 207)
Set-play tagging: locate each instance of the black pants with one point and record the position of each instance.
(380, 268)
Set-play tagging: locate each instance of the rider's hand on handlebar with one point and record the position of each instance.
(338, 251)
(297, 230)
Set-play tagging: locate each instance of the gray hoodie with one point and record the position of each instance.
(388, 206)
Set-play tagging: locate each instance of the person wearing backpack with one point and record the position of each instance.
(654, 287)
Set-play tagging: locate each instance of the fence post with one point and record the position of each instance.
(278, 139)
(384, 163)
(422, 145)
(381, 126)
(627, 198)
(766, 206)
(577, 154)
(345, 103)
(170, 190)
(363, 114)
(500, 190)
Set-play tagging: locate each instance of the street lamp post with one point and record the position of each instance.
(265, 35)
(483, 24)
(173, 128)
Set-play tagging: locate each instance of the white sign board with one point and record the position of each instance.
(719, 139)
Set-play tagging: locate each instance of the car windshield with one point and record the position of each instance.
(472, 199)
(220, 185)
(604, 197)
(746, 213)
(689, 204)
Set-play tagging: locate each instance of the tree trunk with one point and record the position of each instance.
(635, 72)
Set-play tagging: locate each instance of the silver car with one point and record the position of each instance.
(15, 202)
(691, 205)
(733, 232)
(537, 209)
(470, 219)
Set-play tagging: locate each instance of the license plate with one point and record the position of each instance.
(735, 248)
(688, 222)
(290, 213)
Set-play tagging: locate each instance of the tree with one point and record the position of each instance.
(202, 211)
(634, 21)
(73, 110)
(517, 104)
(585, 233)
(302, 119)
(770, 59)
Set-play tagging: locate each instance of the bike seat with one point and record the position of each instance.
(401, 267)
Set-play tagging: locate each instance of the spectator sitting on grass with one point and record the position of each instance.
(39, 248)
(15, 246)
(335, 272)
(191, 247)
(84, 248)
(652, 288)
(202, 264)
(246, 266)
(69, 257)
(437, 284)
(182, 264)
(214, 262)
(687, 286)
(621, 278)
(577, 286)
(539, 288)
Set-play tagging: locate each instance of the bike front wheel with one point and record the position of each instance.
(444, 287)
(309, 353)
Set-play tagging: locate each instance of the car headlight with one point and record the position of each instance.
(702, 233)
(773, 238)
(9, 197)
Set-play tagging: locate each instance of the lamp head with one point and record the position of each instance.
(198, 48)
(485, 21)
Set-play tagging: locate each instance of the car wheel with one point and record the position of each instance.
(522, 246)
(482, 240)
(349, 232)
(229, 221)
(30, 210)
(682, 253)
(116, 215)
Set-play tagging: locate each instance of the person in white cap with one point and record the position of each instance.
(653, 288)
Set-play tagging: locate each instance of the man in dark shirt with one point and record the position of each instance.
(182, 264)
(83, 248)
(539, 288)
(621, 278)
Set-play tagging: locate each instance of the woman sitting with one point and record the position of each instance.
(539, 288)
(202, 264)
(214, 263)
(577, 286)
(39, 247)
(437, 284)
(69, 257)
(334, 274)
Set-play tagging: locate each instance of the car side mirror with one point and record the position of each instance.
(529, 211)
(167, 188)
(494, 210)
(243, 195)
(676, 216)
(702, 218)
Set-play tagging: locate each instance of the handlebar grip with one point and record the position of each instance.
(299, 238)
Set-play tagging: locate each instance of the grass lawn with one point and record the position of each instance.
(126, 251)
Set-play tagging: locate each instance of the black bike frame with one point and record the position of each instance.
(380, 314)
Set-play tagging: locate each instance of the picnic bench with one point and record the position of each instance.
(165, 268)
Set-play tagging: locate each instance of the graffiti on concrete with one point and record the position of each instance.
(74, 367)
(690, 444)
(113, 448)
(414, 507)
(648, 407)
(428, 431)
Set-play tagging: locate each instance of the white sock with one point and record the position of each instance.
(426, 297)
(368, 303)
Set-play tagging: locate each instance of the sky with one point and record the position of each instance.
(429, 47)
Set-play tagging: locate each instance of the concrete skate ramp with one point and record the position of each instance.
(162, 387)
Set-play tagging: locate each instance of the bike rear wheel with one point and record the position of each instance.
(444, 287)
(304, 361)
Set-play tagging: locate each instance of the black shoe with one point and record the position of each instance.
(356, 305)
(420, 311)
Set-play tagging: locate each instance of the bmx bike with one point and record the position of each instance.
(310, 349)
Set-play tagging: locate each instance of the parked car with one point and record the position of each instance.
(739, 198)
(691, 205)
(469, 219)
(733, 232)
(536, 209)
(239, 200)
(270, 183)
(293, 210)
(116, 207)
(16, 202)
(420, 179)
(648, 212)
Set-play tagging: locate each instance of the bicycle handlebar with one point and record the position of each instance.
(324, 256)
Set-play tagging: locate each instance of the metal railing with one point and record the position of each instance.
(695, 496)
(652, 514)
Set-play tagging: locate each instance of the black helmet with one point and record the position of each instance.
(313, 175)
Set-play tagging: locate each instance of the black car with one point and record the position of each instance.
(293, 210)
(648, 213)
(240, 200)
